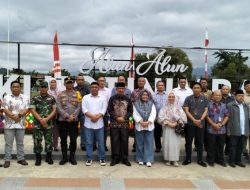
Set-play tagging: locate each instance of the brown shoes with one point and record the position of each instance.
(6, 164)
(22, 162)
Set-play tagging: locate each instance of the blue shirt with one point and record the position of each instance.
(159, 100)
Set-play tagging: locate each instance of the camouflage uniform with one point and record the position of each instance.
(43, 105)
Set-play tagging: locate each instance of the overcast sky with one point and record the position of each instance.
(153, 22)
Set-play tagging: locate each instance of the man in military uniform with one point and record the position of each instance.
(68, 107)
(43, 107)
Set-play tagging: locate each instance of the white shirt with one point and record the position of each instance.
(95, 105)
(15, 104)
(138, 118)
(182, 93)
(106, 92)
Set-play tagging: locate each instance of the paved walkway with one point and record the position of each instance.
(119, 177)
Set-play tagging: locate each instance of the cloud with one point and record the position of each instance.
(156, 23)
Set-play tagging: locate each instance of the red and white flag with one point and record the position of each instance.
(132, 59)
(206, 45)
(206, 39)
(56, 70)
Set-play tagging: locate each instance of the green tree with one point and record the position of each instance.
(231, 66)
(64, 72)
(16, 71)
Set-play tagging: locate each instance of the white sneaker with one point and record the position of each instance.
(175, 164)
(102, 163)
(168, 163)
(140, 163)
(149, 164)
(88, 163)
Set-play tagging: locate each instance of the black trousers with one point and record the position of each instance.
(245, 149)
(193, 132)
(226, 151)
(215, 147)
(235, 148)
(205, 137)
(119, 143)
(157, 135)
(106, 127)
(65, 129)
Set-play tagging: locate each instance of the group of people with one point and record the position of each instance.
(212, 119)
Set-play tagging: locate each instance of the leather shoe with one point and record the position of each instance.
(246, 154)
(6, 164)
(186, 162)
(114, 162)
(63, 161)
(201, 163)
(222, 164)
(22, 162)
(38, 159)
(210, 164)
(157, 150)
(232, 165)
(72, 158)
(240, 164)
(126, 162)
(49, 159)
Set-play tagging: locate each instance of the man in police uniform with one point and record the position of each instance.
(68, 106)
(43, 107)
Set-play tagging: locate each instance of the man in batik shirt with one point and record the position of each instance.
(216, 130)
(15, 106)
(120, 109)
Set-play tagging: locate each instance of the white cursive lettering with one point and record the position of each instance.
(108, 64)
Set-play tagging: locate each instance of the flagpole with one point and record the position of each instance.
(56, 70)
(206, 45)
(132, 58)
(8, 53)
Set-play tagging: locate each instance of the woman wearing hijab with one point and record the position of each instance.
(169, 116)
(144, 115)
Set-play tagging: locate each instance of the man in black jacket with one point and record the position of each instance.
(120, 109)
(237, 128)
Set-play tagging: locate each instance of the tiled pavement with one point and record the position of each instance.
(119, 177)
(117, 184)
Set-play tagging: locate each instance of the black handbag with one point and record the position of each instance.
(179, 129)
